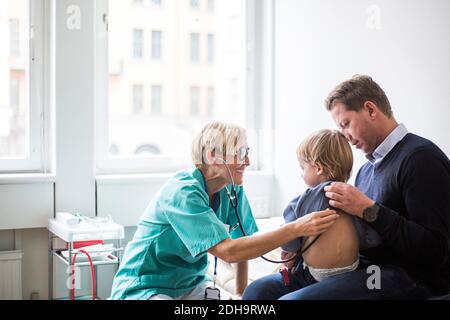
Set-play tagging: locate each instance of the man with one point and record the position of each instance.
(402, 194)
(401, 208)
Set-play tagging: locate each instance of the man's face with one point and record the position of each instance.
(357, 127)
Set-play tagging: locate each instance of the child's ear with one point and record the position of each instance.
(319, 169)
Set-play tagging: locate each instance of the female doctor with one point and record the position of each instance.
(188, 217)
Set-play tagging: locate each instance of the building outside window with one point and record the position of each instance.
(210, 100)
(195, 101)
(138, 36)
(188, 87)
(138, 98)
(195, 4)
(210, 5)
(14, 37)
(195, 47)
(156, 99)
(210, 48)
(156, 44)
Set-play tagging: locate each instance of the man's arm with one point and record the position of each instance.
(423, 235)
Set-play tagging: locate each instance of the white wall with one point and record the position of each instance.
(74, 101)
(321, 43)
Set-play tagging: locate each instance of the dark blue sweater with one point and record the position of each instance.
(412, 185)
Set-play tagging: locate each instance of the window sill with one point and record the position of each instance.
(24, 178)
(158, 177)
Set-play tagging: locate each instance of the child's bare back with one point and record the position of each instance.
(336, 248)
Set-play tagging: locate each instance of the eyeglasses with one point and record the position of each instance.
(242, 153)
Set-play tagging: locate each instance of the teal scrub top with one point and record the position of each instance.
(168, 253)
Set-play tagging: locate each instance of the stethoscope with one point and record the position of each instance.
(234, 203)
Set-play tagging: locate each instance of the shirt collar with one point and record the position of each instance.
(388, 144)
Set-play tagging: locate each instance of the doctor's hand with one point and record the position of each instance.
(347, 198)
(316, 223)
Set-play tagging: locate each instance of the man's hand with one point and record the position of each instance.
(347, 198)
(285, 255)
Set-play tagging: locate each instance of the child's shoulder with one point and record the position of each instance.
(317, 189)
(313, 199)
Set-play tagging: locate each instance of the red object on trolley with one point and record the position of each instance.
(85, 243)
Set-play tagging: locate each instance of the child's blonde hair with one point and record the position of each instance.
(331, 150)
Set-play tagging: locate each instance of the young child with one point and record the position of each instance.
(324, 157)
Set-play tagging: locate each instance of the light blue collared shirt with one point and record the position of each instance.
(388, 144)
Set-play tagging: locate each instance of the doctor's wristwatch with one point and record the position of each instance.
(370, 214)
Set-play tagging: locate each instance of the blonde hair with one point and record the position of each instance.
(330, 149)
(220, 137)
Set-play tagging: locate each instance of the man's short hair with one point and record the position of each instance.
(353, 93)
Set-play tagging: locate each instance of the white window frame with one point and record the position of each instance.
(261, 119)
(38, 95)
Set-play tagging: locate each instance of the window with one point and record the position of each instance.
(183, 93)
(195, 4)
(195, 101)
(156, 44)
(210, 5)
(137, 43)
(210, 48)
(14, 95)
(156, 2)
(147, 149)
(138, 97)
(210, 100)
(14, 37)
(22, 145)
(114, 150)
(195, 47)
(156, 100)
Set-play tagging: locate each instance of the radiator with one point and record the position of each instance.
(11, 275)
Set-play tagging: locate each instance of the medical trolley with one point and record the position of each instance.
(86, 242)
